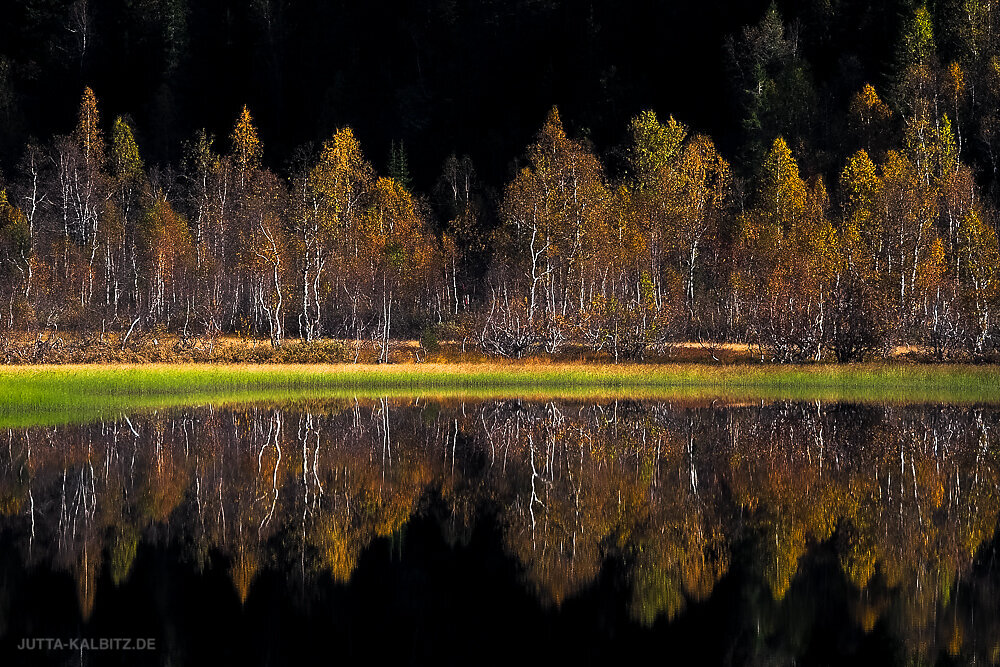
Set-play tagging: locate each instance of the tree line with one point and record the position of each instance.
(664, 246)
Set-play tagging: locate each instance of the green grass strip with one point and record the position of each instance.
(58, 394)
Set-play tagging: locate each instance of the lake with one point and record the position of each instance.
(456, 531)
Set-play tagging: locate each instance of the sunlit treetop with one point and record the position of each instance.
(552, 140)
(200, 155)
(88, 129)
(247, 149)
(125, 158)
(917, 43)
(782, 191)
(342, 173)
(869, 105)
(931, 146)
(859, 184)
(654, 144)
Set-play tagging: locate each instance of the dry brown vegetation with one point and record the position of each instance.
(165, 347)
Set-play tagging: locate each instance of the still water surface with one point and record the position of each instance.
(456, 532)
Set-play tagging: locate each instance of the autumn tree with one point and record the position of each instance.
(916, 58)
(788, 255)
(164, 251)
(128, 185)
(679, 196)
(334, 198)
(256, 221)
(207, 202)
(247, 149)
(979, 276)
(401, 259)
(654, 155)
(870, 119)
(666, 245)
(860, 322)
(554, 222)
(76, 184)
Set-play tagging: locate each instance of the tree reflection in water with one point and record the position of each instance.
(666, 499)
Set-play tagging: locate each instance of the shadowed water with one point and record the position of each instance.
(480, 532)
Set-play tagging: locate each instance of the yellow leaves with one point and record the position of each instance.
(955, 81)
(956, 639)
(897, 168)
(860, 186)
(782, 564)
(676, 197)
(200, 155)
(788, 236)
(551, 144)
(247, 149)
(341, 172)
(872, 102)
(993, 75)
(560, 202)
(681, 561)
(338, 547)
(393, 206)
(553, 130)
(369, 226)
(909, 199)
(867, 108)
(816, 240)
(124, 547)
(338, 188)
(931, 271)
(783, 192)
(11, 504)
(870, 119)
(779, 165)
(626, 229)
(918, 39)
(850, 239)
(979, 257)
(88, 130)
(867, 611)
(244, 570)
(13, 223)
(858, 559)
(931, 145)
(395, 234)
(654, 145)
(125, 160)
(703, 181)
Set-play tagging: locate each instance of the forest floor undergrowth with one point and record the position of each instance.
(70, 348)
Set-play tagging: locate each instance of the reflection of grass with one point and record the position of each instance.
(50, 394)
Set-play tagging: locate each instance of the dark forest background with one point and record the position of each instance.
(441, 76)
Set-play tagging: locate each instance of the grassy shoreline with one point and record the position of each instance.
(73, 392)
